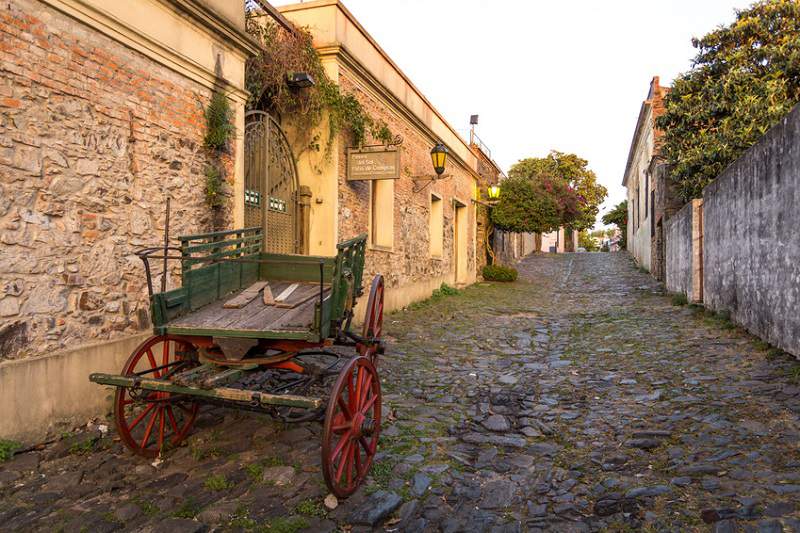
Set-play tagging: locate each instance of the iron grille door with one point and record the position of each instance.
(270, 194)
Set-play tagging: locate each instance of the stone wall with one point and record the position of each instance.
(678, 251)
(751, 237)
(489, 175)
(93, 137)
(409, 260)
(511, 247)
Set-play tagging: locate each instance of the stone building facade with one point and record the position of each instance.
(421, 233)
(490, 174)
(651, 196)
(101, 119)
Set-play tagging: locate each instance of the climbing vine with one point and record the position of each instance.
(219, 132)
(283, 53)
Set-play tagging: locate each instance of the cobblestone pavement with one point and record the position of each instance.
(576, 399)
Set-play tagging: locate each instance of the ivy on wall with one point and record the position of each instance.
(219, 132)
(283, 53)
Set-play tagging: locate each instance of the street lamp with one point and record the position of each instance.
(439, 158)
(494, 192)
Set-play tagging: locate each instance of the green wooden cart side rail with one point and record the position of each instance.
(218, 393)
(218, 234)
(217, 264)
(348, 272)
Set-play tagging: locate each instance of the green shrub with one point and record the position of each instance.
(679, 299)
(7, 449)
(499, 273)
(445, 290)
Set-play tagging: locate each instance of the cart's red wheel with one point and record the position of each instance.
(352, 427)
(147, 420)
(373, 321)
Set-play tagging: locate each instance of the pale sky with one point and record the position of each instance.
(558, 74)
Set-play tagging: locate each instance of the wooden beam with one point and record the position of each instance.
(268, 298)
(286, 292)
(219, 393)
(245, 297)
(270, 10)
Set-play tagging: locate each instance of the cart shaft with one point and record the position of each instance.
(218, 393)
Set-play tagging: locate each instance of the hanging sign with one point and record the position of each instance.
(372, 164)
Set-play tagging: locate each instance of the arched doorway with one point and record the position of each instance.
(271, 199)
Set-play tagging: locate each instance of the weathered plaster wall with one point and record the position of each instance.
(642, 182)
(408, 260)
(678, 246)
(341, 209)
(45, 395)
(93, 137)
(751, 235)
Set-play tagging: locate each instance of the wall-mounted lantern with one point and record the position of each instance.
(439, 160)
(493, 192)
(299, 80)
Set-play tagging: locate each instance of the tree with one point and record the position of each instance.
(572, 171)
(619, 217)
(527, 206)
(744, 79)
(587, 242)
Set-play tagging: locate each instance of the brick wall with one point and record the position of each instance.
(93, 136)
(409, 260)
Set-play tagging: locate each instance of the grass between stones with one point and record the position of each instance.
(242, 521)
(310, 507)
(217, 482)
(188, 509)
(148, 508)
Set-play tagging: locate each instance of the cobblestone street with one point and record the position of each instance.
(579, 398)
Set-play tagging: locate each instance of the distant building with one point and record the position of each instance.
(651, 198)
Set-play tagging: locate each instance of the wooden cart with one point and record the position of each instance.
(255, 330)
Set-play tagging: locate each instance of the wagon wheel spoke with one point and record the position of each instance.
(367, 387)
(349, 468)
(345, 409)
(342, 442)
(168, 417)
(149, 429)
(172, 421)
(365, 445)
(152, 360)
(369, 404)
(343, 462)
(141, 416)
(356, 402)
(349, 443)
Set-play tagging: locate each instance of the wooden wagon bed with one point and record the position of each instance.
(296, 313)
